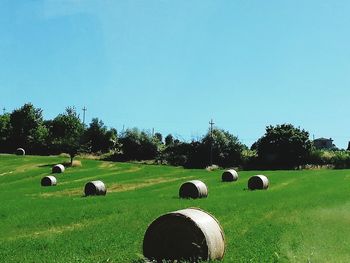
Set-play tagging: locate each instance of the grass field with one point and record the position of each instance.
(303, 217)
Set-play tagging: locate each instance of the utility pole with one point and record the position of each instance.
(3, 110)
(84, 110)
(211, 141)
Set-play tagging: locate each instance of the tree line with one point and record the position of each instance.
(281, 147)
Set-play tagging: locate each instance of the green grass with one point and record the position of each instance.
(303, 217)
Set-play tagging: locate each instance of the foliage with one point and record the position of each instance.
(99, 138)
(283, 146)
(27, 129)
(338, 159)
(5, 132)
(227, 151)
(158, 136)
(138, 145)
(66, 132)
(177, 153)
(169, 140)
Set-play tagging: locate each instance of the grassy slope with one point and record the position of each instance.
(305, 215)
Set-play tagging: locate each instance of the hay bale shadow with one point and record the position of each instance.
(47, 165)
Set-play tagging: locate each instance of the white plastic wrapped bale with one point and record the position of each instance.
(20, 151)
(193, 189)
(58, 168)
(258, 182)
(229, 176)
(95, 188)
(189, 235)
(49, 181)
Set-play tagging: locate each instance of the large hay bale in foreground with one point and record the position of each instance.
(49, 181)
(20, 151)
(258, 182)
(193, 189)
(190, 234)
(58, 168)
(95, 188)
(229, 176)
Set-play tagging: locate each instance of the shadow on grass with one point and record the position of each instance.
(145, 260)
(47, 165)
(76, 163)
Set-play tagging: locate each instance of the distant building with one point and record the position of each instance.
(324, 144)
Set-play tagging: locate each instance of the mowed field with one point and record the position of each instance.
(303, 217)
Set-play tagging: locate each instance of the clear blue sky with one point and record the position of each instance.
(174, 65)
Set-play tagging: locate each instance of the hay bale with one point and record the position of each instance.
(76, 163)
(49, 181)
(189, 234)
(20, 151)
(95, 188)
(58, 168)
(258, 182)
(193, 189)
(229, 176)
(212, 167)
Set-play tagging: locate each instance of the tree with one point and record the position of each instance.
(227, 149)
(99, 138)
(149, 146)
(112, 142)
(169, 140)
(177, 153)
(66, 132)
(27, 129)
(283, 146)
(4, 132)
(158, 136)
(138, 145)
(130, 144)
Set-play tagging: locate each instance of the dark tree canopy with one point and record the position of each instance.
(169, 140)
(227, 148)
(66, 132)
(158, 136)
(99, 138)
(227, 151)
(5, 133)
(139, 145)
(283, 146)
(27, 129)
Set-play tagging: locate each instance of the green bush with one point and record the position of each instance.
(339, 159)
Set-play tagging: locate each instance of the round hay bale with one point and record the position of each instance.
(193, 189)
(20, 151)
(258, 182)
(189, 234)
(49, 181)
(229, 176)
(58, 168)
(95, 188)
